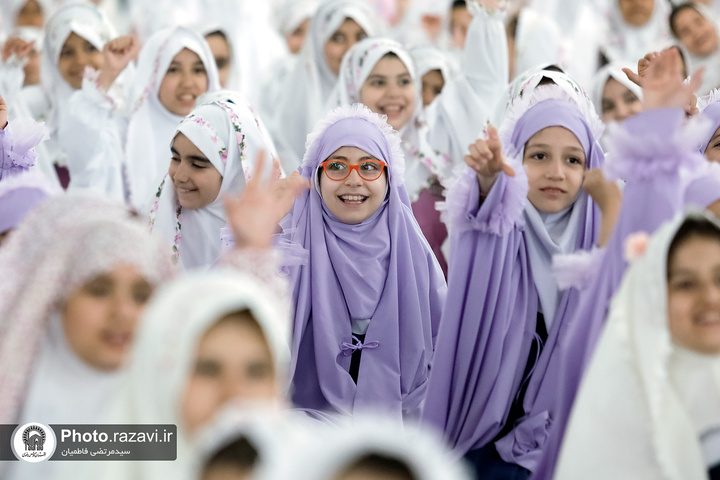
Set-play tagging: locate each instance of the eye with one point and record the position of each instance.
(337, 166)
(361, 36)
(99, 288)
(575, 161)
(259, 370)
(376, 82)
(90, 48)
(172, 69)
(337, 38)
(405, 81)
(199, 165)
(141, 292)
(538, 156)
(200, 70)
(629, 97)
(370, 166)
(607, 106)
(65, 53)
(207, 368)
(683, 284)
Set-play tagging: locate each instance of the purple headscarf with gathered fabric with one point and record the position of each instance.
(499, 274)
(381, 269)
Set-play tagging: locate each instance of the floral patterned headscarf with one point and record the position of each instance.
(227, 134)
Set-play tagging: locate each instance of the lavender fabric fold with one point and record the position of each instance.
(652, 195)
(381, 269)
(499, 271)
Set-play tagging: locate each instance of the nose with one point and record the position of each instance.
(555, 170)
(124, 307)
(711, 295)
(180, 172)
(235, 387)
(354, 178)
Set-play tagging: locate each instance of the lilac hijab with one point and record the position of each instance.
(499, 277)
(381, 270)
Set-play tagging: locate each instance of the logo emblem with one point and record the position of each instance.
(33, 442)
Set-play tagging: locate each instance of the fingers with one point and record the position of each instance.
(633, 77)
(494, 142)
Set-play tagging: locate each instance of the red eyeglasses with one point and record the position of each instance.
(339, 170)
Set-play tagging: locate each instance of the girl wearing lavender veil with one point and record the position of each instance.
(506, 312)
(369, 295)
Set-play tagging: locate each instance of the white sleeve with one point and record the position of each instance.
(91, 132)
(459, 113)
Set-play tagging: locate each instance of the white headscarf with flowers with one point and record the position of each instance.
(422, 161)
(227, 134)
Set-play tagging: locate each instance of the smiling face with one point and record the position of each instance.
(554, 160)
(184, 81)
(352, 200)
(196, 181)
(695, 32)
(618, 102)
(389, 90)
(348, 34)
(233, 361)
(694, 294)
(76, 54)
(99, 318)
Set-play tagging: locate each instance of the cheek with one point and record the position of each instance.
(167, 88)
(199, 400)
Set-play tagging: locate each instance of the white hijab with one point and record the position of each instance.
(644, 402)
(336, 447)
(628, 43)
(309, 84)
(422, 161)
(164, 352)
(151, 125)
(83, 19)
(228, 134)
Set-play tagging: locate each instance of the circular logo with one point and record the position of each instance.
(33, 442)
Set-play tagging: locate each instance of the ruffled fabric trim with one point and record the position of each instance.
(28, 180)
(521, 104)
(652, 153)
(358, 110)
(17, 142)
(460, 210)
(575, 270)
(707, 100)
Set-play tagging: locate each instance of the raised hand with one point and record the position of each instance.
(643, 65)
(254, 215)
(117, 55)
(3, 113)
(17, 46)
(486, 159)
(663, 84)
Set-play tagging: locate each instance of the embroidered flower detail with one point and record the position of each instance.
(636, 245)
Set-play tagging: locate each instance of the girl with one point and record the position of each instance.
(693, 25)
(633, 28)
(614, 96)
(336, 26)
(204, 341)
(506, 311)
(368, 300)
(68, 318)
(209, 152)
(123, 151)
(648, 406)
(435, 68)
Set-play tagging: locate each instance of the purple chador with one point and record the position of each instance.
(380, 273)
(663, 173)
(499, 279)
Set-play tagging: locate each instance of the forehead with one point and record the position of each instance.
(186, 56)
(613, 88)
(697, 252)
(349, 26)
(184, 146)
(389, 66)
(555, 136)
(687, 15)
(351, 153)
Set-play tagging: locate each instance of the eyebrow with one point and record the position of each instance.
(197, 158)
(340, 157)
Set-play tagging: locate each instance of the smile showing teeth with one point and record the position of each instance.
(353, 198)
(187, 97)
(185, 190)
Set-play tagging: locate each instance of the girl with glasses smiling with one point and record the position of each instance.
(369, 292)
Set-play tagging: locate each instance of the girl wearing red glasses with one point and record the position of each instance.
(369, 292)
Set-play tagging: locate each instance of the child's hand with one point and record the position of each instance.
(487, 160)
(643, 65)
(3, 113)
(117, 55)
(606, 194)
(254, 215)
(663, 84)
(17, 46)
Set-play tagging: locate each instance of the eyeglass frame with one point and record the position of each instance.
(353, 167)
